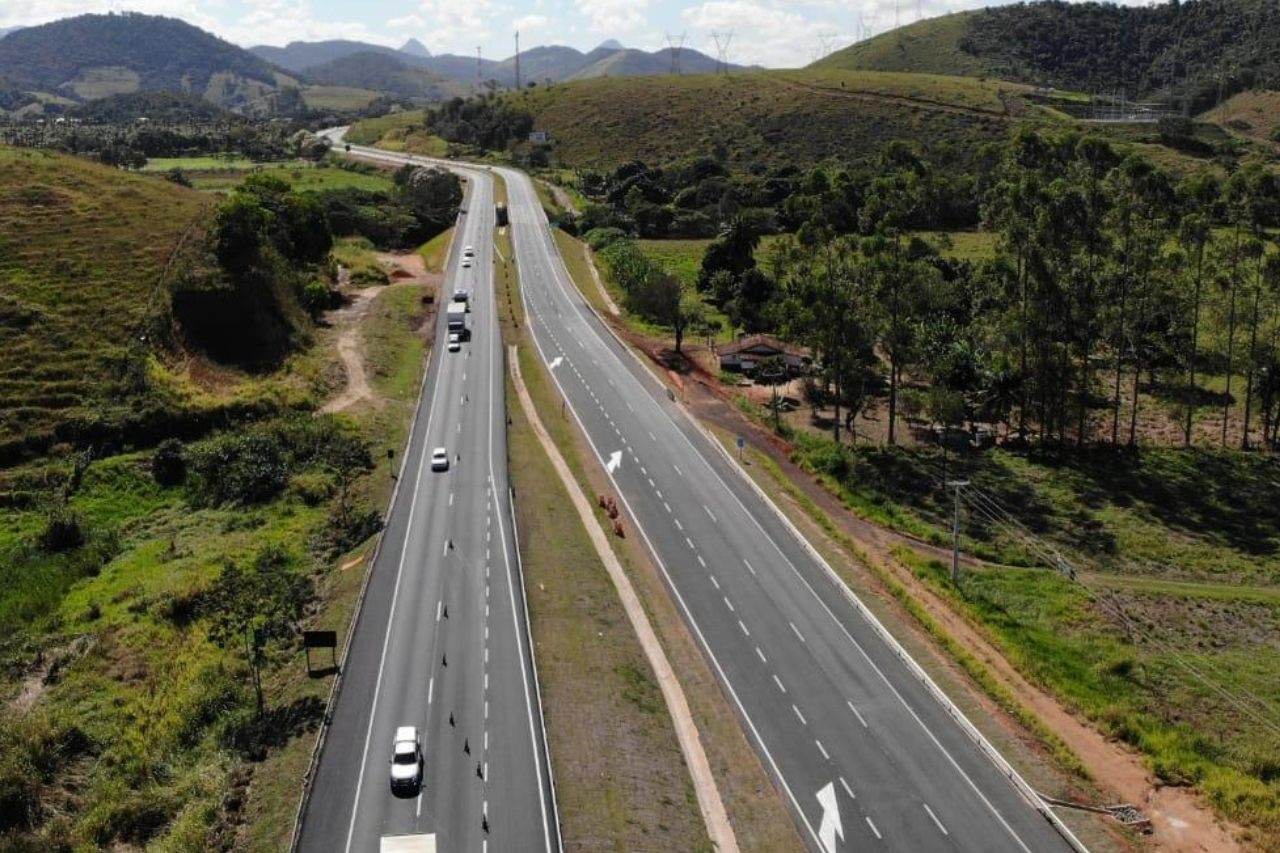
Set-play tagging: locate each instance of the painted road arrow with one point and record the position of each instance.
(555, 362)
(830, 827)
(615, 459)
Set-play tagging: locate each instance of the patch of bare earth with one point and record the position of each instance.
(1181, 821)
(402, 270)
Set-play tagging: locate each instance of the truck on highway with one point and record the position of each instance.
(416, 843)
(459, 322)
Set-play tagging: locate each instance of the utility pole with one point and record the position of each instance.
(479, 70)
(517, 60)
(955, 529)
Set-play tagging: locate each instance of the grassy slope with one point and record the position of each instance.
(766, 117)
(1254, 114)
(931, 47)
(81, 247)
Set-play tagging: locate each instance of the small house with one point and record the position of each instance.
(747, 353)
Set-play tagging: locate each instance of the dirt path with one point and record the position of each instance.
(403, 270)
(1181, 822)
(351, 350)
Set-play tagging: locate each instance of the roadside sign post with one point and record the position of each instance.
(742, 442)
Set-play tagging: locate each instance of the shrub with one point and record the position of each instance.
(239, 468)
(63, 531)
(169, 463)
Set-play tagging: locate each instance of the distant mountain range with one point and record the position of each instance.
(89, 57)
(537, 64)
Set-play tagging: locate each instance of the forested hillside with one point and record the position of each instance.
(1174, 51)
(137, 52)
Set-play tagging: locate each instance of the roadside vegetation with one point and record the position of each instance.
(179, 512)
(1133, 481)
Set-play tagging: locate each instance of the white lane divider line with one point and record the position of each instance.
(710, 513)
(728, 604)
(667, 507)
(797, 631)
(439, 607)
(935, 819)
(679, 526)
(847, 789)
(652, 438)
(431, 691)
(873, 828)
(820, 749)
(760, 655)
(778, 681)
(799, 716)
(714, 582)
(677, 467)
(749, 567)
(701, 562)
(856, 714)
(743, 626)
(690, 541)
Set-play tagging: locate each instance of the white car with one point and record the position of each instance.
(469, 252)
(455, 342)
(406, 761)
(466, 263)
(439, 459)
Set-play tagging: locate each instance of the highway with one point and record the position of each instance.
(441, 641)
(856, 738)
(866, 756)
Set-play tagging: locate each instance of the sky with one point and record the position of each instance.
(772, 33)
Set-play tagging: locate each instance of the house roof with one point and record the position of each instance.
(765, 345)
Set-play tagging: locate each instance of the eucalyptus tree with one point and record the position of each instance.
(1143, 200)
(1199, 193)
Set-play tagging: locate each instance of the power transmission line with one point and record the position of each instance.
(675, 44)
(723, 41)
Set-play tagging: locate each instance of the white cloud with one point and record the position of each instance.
(764, 32)
(527, 23)
(615, 18)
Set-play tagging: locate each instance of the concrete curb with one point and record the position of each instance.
(704, 784)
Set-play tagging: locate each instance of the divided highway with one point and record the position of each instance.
(863, 751)
(441, 641)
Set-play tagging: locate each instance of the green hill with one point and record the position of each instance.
(772, 118)
(382, 73)
(83, 252)
(1175, 52)
(94, 56)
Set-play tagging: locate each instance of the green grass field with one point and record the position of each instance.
(337, 97)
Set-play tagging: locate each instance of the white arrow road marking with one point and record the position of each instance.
(555, 362)
(830, 829)
(615, 459)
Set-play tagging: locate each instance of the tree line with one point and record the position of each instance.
(1111, 279)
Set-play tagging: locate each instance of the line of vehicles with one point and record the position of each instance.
(408, 763)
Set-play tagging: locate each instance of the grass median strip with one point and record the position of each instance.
(704, 783)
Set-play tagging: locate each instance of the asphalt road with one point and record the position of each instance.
(867, 758)
(863, 752)
(441, 641)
